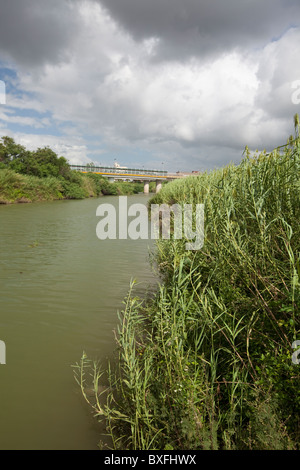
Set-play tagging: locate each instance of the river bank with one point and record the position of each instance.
(207, 363)
(40, 175)
(18, 188)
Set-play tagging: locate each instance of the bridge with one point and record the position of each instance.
(129, 174)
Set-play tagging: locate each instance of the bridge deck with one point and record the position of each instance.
(131, 173)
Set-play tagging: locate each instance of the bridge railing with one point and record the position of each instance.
(107, 169)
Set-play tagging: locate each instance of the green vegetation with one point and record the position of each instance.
(206, 363)
(41, 175)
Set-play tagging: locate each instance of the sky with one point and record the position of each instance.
(178, 85)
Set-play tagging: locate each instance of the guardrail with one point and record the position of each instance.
(123, 171)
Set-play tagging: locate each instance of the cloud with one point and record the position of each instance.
(188, 86)
(72, 149)
(34, 32)
(203, 28)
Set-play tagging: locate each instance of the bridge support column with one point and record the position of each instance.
(158, 186)
(111, 179)
(146, 187)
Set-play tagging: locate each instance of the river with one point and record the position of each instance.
(61, 288)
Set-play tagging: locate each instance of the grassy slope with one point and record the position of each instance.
(22, 188)
(19, 188)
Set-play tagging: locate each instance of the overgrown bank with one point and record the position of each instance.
(29, 176)
(207, 363)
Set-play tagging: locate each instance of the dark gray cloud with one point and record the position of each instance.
(186, 82)
(200, 27)
(34, 32)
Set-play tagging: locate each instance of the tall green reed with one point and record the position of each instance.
(207, 363)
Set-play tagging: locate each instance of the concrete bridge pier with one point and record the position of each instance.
(158, 186)
(111, 179)
(146, 187)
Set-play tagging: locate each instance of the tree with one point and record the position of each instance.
(42, 163)
(10, 151)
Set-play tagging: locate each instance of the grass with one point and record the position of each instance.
(207, 364)
(23, 188)
(19, 188)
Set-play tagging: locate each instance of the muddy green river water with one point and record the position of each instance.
(60, 290)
